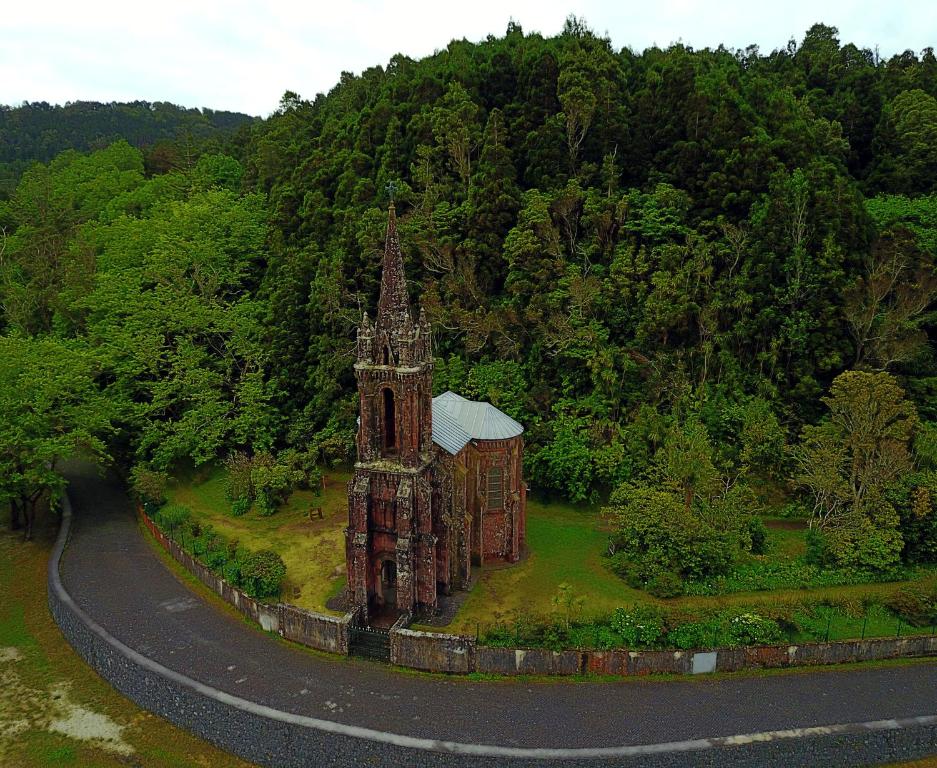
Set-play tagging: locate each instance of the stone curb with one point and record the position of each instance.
(280, 739)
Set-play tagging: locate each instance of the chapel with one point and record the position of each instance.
(438, 486)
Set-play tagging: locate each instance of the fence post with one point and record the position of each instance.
(865, 619)
(829, 620)
(898, 629)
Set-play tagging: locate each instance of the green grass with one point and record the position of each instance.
(565, 545)
(313, 550)
(42, 680)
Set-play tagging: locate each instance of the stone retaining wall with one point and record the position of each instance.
(314, 630)
(432, 652)
(537, 661)
(455, 654)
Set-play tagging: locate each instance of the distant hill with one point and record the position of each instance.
(39, 131)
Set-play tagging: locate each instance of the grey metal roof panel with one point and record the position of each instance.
(447, 432)
(480, 421)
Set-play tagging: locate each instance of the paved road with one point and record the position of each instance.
(115, 577)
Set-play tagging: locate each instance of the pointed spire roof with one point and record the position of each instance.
(393, 309)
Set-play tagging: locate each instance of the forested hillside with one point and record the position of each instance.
(37, 131)
(658, 262)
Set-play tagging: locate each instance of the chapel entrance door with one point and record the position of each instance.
(389, 583)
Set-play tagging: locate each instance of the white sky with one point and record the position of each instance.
(243, 55)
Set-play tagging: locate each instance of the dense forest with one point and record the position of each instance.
(704, 279)
(37, 131)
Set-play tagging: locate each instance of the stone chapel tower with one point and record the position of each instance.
(390, 546)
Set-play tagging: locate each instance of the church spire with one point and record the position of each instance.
(393, 309)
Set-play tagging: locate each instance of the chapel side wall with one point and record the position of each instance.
(502, 531)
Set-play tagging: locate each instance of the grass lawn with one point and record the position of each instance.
(313, 550)
(565, 545)
(54, 710)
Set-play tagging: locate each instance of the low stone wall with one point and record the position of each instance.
(537, 661)
(432, 652)
(314, 630)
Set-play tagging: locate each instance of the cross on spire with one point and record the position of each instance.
(391, 188)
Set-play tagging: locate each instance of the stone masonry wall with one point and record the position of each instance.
(432, 652)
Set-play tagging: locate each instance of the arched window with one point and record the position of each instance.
(386, 355)
(390, 421)
(495, 488)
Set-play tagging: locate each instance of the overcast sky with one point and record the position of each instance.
(242, 55)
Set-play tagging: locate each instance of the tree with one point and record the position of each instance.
(51, 408)
(850, 460)
(915, 124)
(655, 534)
(455, 127)
(887, 306)
(173, 317)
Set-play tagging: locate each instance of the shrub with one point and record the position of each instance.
(262, 573)
(665, 584)
(215, 557)
(694, 634)
(172, 517)
(238, 484)
(640, 626)
(795, 510)
(752, 629)
(149, 484)
(241, 506)
(758, 535)
(657, 533)
(818, 550)
(231, 572)
(915, 605)
(265, 506)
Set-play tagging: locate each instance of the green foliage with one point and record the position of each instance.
(656, 533)
(848, 463)
(172, 517)
(241, 506)
(758, 535)
(567, 602)
(52, 407)
(665, 584)
(149, 484)
(272, 479)
(238, 481)
(640, 626)
(262, 573)
(916, 605)
(657, 262)
(759, 576)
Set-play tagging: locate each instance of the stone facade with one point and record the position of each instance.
(419, 515)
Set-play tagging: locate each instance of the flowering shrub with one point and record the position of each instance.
(640, 626)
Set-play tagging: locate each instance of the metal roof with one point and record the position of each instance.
(456, 421)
